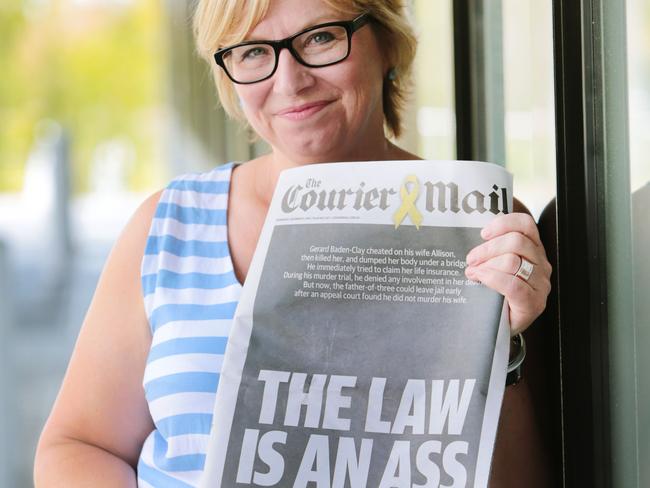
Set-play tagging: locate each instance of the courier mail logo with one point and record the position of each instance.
(438, 197)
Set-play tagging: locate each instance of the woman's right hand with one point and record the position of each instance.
(100, 419)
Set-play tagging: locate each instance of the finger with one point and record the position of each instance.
(514, 222)
(505, 283)
(512, 242)
(509, 264)
(525, 303)
(506, 263)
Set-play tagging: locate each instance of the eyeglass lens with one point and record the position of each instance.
(317, 47)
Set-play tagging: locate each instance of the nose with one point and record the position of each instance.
(291, 77)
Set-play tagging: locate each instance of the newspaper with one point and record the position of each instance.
(360, 355)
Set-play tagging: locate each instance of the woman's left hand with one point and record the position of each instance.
(509, 239)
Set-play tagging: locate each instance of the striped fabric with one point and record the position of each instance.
(190, 294)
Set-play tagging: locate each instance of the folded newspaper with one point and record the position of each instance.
(360, 355)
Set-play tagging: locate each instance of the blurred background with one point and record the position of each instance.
(103, 101)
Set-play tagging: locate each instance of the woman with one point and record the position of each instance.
(324, 94)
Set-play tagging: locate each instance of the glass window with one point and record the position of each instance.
(430, 125)
(529, 102)
(528, 93)
(638, 42)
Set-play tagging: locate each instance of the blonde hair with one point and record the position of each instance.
(219, 23)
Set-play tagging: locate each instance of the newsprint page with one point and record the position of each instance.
(360, 355)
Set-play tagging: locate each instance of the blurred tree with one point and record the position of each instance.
(14, 131)
(95, 66)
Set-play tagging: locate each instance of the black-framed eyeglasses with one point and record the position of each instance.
(315, 47)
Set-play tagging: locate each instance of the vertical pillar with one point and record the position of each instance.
(478, 65)
(594, 248)
(202, 135)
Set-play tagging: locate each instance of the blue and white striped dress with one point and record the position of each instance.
(190, 294)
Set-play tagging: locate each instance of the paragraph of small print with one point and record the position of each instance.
(401, 275)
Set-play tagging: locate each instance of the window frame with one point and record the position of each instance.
(590, 324)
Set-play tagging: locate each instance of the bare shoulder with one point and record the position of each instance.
(137, 228)
(101, 401)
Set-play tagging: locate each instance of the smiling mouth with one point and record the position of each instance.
(304, 111)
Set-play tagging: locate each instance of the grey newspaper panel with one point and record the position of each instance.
(360, 355)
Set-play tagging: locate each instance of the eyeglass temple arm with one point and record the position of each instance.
(360, 21)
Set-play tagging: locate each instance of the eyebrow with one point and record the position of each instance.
(323, 19)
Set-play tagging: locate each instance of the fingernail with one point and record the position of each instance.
(485, 233)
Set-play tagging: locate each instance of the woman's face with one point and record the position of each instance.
(332, 113)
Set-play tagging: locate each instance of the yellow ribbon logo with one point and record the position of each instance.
(408, 203)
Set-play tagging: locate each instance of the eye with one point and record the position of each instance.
(254, 52)
(320, 37)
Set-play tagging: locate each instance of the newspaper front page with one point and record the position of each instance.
(360, 355)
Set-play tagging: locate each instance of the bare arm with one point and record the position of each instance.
(100, 419)
(519, 457)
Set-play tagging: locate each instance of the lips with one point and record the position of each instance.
(301, 112)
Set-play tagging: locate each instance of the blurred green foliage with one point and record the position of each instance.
(96, 67)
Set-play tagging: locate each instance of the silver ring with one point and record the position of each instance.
(525, 269)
